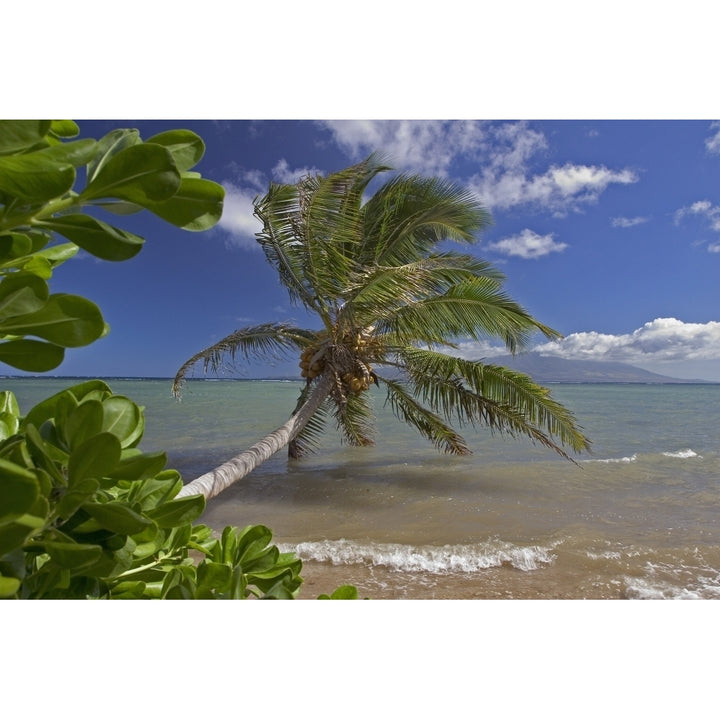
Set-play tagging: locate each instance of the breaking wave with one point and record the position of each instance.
(426, 558)
(682, 454)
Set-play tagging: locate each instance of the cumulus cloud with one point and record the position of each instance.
(713, 143)
(503, 152)
(659, 344)
(558, 190)
(528, 245)
(661, 340)
(624, 222)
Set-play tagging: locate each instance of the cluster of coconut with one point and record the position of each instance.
(358, 382)
(311, 363)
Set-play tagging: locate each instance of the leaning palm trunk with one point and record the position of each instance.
(214, 482)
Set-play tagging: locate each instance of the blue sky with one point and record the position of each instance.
(607, 230)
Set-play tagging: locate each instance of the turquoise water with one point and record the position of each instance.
(639, 518)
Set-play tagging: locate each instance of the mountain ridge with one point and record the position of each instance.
(548, 369)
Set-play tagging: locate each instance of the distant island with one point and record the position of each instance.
(548, 369)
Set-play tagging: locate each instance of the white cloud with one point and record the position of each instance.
(237, 218)
(713, 143)
(558, 190)
(625, 222)
(664, 345)
(703, 208)
(661, 340)
(423, 146)
(503, 153)
(528, 245)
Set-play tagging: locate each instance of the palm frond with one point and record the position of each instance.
(395, 287)
(504, 400)
(277, 211)
(355, 419)
(410, 215)
(311, 229)
(429, 424)
(265, 342)
(475, 308)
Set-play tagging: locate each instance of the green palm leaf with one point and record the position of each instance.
(476, 308)
(431, 426)
(266, 342)
(501, 399)
(410, 215)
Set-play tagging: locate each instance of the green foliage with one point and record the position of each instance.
(85, 514)
(42, 197)
(344, 592)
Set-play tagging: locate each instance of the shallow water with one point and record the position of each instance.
(637, 519)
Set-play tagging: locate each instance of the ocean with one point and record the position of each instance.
(639, 518)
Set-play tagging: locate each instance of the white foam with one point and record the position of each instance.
(682, 454)
(426, 558)
(630, 459)
(642, 589)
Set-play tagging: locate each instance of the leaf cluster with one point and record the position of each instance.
(48, 180)
(84, 513)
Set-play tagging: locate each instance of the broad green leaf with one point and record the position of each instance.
(213, 576)
(8, 586)
(117, 516)
(66, 320)
(139, 467)
(344, 592)
(43, 459)
(129, 590)
(39, 266)
(185, 146)
(35, 177)
(74, 497)
(9, 403)
(82, 423)
(140, 174)
(16, 135)
(97, 237)
(21, 294)
(109, 146)
(57, 254)
(12, 537)
(18, 490)
(177, 512)
(94, 458)
(196, 206)
(72, 555)
(14, 245)
(77, 152)
(31, 355)
(64, 128)
(124, 419)
(48, 408)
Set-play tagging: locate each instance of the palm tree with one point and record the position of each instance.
(390, 302)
